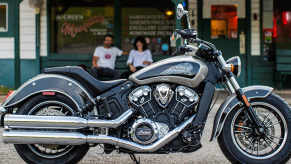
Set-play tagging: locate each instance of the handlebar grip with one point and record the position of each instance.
(187, 33)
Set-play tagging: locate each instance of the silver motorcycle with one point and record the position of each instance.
(58, 115)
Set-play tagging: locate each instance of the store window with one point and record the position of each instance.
(78, 26)
(3, 17)
(152, 19)
(223, 21)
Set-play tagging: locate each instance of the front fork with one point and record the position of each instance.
(233, 87)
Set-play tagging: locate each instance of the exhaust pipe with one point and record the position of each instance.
(75, 138)
(61, 122)
(43, 137)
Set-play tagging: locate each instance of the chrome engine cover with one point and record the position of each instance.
(185, 94)
(186, 98)
(146, 131)
(140, 98)
(163, 94)
(138, 95)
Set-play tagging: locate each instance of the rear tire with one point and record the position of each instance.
(240, 143)
(31, 153)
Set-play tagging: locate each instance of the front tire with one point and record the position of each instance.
(50, 154)
(241, 143)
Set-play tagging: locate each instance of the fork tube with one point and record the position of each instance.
(234, 83)
(221, 60)
(229, 86)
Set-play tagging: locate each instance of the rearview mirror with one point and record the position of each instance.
(180, 11)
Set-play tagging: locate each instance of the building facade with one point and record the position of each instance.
(67, 32)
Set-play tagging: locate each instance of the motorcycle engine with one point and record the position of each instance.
(162, 107)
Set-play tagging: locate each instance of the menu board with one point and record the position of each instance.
(80, 29)
(151, 23)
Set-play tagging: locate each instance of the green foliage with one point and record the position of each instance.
(4, 90)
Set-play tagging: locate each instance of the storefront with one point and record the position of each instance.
(78, 27)
(69, 32)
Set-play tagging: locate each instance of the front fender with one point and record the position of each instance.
(53, 83)
(231, 102)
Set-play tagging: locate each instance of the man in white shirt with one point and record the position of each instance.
(104, 59)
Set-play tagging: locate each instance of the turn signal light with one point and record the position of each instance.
(232, 67)
(9, 94)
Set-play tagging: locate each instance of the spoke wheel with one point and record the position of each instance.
(57, 105)
(241, 142)
(51, 108)
(253, 144)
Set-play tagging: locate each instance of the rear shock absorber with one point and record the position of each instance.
(89, 106)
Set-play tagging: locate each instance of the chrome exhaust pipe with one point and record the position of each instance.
(75, 138)
(43, 137)
(61, 122)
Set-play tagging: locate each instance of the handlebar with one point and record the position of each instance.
(187, 33)
(180, 50)
(183, 49)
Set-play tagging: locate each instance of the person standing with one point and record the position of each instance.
(104, 59)
(139, 57)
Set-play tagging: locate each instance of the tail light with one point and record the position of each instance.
(9, 94)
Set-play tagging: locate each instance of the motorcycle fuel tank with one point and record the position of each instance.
(184, 70)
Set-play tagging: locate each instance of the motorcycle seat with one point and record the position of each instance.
(95, 87)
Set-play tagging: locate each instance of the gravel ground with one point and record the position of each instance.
(209, 153)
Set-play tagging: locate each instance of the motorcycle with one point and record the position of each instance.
(58, 115)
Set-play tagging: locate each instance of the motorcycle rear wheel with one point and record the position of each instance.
(241, 143)
(50, 154)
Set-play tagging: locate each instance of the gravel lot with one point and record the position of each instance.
(209, 153)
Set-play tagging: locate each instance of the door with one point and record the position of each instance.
(223, 24)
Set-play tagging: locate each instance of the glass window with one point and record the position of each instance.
(78, 26)
(223, 21)
(152, 19)
(3, 17)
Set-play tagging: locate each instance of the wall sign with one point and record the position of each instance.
(152, 23)
(80, 29)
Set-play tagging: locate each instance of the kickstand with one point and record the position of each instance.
(132, 156)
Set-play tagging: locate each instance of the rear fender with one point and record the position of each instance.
(50, 83)
(231, 102)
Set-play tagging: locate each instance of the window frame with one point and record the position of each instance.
(6, 4)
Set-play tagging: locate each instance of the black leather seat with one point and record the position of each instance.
(94, 86)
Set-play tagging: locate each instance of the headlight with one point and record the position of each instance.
(237, 65)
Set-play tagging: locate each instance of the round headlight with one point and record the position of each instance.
(237, 65)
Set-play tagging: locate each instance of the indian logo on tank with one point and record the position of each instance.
(180, 69)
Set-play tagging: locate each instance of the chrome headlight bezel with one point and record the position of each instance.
(237, 65)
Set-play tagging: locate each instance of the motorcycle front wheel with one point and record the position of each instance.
(240, 141)
(57, 105)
